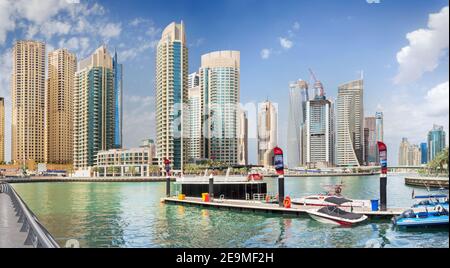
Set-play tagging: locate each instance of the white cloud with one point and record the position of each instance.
(39, 11)
(407, 116)
(437, 101)
(426, 47)
(111, 30)
(265, 53)
(131, 53)
(286, 43)
(138, 21)
(296, 26)
(7, 23)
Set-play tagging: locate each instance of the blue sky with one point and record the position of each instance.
(406, 77)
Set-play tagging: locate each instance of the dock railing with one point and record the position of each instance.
(37, 236)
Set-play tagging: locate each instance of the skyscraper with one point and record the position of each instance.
(194, 125)
(403, 153)
(424, 153)
(220, 91)
(2, 130)
(414, 155)
(436, 141)
(319, 140)
(28, 101)
(172, 95)
(62, 66)
(379, 127)
(267, 132)
(349, 124)
(193, 80)
(370, 123)
(118, 94)
(94, 108)
(242, 137)
(296, 150)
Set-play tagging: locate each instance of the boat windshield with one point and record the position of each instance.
(337, 212)
(337, 200)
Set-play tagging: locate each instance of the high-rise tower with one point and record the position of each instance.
(350, 124)
(220, 94)
(2, 130)
(94, 108)
(172, 95)
(28, 101)
(62, 66)
(118, 95)
(267, 132)
(296, 150)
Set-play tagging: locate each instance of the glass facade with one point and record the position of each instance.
(298, 96)
(177, 101)
(118, 84)
(424, 152)
(436, 141)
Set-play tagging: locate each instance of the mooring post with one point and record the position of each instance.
(382, 151)
(211, 187)
(281, 190)
(383, 195)
(168, 185)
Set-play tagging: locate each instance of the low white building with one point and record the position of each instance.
(136, 162)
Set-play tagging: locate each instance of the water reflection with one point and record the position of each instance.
(131, 215)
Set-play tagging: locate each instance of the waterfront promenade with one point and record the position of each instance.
(19, 227)
(10, 234)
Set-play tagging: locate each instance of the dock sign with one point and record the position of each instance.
(278, 160)
(382, 151)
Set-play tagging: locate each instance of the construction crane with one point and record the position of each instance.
(318, 86)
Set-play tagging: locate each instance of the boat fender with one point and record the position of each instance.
(287, 202)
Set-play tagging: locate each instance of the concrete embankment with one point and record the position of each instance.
(91, 179)
(428, 182)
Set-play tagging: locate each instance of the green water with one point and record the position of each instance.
(131, 215)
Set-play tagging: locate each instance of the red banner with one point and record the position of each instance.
(382, 152)
(278, 160)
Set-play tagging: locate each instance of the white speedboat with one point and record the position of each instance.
(326, 200)
(336, 216)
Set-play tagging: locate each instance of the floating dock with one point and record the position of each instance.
(428, 182)
(261, 206)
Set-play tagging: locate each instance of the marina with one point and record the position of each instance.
(128, 214)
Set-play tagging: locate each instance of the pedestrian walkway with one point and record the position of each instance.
(19, 227)
(10, 234)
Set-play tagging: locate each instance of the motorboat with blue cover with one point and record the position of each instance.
(409, 218)
(431, 201)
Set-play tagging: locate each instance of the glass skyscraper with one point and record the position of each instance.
(436, 141)
(94, 108)
(220, 94)
(424, 152)
(118, 93)
(349, 124)
(296, 150)
(172, 95)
